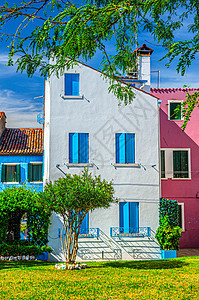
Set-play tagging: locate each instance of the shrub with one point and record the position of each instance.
(46, 249)
(169, 208)
(22, 249)
(167, 235)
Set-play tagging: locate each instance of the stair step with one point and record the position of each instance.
(187, 252)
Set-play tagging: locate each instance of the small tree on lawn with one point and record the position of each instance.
(73, 197)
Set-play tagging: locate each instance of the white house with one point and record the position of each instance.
(84, 126)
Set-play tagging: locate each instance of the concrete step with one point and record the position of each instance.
(187, 252)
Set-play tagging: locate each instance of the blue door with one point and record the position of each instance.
(85, 225)
(129, 217)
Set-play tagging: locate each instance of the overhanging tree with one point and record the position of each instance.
(73, 196)
(47, 29)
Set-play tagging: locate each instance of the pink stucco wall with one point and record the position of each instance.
(183, 190)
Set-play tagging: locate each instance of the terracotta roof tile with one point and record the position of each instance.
(171, 90)
(21, 141)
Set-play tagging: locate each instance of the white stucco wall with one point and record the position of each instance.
(99, 115)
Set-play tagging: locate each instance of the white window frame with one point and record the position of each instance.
(169, 163)
(125, 164)
(71, 97)
(182, 210)
(89, 152)
(174, 101)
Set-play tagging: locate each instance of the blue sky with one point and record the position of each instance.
(17, 91)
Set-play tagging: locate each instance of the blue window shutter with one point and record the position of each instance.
(73, 147)
(85, 224)
(68, 84)
(83, 148)
(130, 148)
(120, 148)
(124, 216)
(117, 147)
(134, 216)
(3, 173)
(75, 84)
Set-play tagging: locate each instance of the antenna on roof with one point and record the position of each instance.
(158, 79)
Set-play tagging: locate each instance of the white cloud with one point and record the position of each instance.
(20, 111)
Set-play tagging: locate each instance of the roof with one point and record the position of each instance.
(21, 141)
(2, 114)
(122, 81)
(144, 50)
(172, 90)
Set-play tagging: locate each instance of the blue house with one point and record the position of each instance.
(21, 156)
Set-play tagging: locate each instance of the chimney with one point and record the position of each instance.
(144, 65)
(2, 122)
(140, 73)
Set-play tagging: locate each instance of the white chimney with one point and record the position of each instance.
(139, 74)
(144, 65)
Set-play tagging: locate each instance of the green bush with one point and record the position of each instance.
(46, 249)
(22, 249)
(169, 208)
(167, 235)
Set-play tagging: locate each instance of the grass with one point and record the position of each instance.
(159, 279)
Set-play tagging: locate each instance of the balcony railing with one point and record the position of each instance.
(130, 231)
(84, 233)
(89, 233)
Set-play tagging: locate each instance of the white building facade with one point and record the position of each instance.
(85, 127)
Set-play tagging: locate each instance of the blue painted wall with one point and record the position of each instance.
(23, 160)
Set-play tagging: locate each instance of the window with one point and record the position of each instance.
(175, 110)
(125, 148)
(129, 217)
(162, 164)
(10, 173)
(72, 84)
(180, 164)
(181, 216)
(35, 172)
(78, 147)
(176, 163)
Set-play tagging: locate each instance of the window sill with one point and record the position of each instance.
(11, 182)
(79, 165)
(68, 97)
(133, 165)
(33, 182)
(176, 178)
(181, 178)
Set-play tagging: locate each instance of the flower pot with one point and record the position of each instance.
(166, 254)
(43, 256)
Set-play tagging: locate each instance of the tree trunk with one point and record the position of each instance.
(69, 240)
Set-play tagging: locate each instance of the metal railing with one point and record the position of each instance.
(89, 233)
(130, 231)
(84, 233)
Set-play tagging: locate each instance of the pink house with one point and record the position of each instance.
(180, 161)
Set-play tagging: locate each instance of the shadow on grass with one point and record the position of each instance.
(23, 264)
(148, 265)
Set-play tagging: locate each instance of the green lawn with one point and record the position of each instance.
(163, 279)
